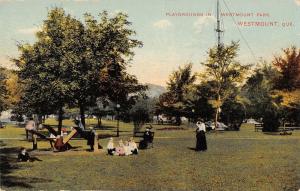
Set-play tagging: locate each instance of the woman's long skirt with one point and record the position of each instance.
(201, 144)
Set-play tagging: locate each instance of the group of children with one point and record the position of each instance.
(123, 148)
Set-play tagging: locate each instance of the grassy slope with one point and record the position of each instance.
(244, 160)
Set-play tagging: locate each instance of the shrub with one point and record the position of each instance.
(271, 120)
(139, 118)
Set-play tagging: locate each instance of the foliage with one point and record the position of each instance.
(14, 88)
(287, 84)
(288, 66)
(3, 90)
(76, 63)
(258, 90)
(224, 72)
(233, 113)
(273, 90)
(174, 101)
(198, 102)
(271, 121)
(142, 112)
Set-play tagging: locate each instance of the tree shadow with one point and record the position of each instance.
(104, 127)
(105, 136)
(9, 164)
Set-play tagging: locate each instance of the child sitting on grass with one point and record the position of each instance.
(23, 155)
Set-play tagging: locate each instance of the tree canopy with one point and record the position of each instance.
(224, 72)
(173, 102)
(74, 63)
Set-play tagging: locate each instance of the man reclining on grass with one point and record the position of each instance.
(23, 156)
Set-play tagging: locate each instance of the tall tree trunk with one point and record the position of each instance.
(99, 121)
(60, 119)
(44, 119)
(217, 111)
(82, 116)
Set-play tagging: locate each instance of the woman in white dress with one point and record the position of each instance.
(133, 147)
(110, 147)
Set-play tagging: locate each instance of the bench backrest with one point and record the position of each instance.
(258, 125)
(42, 136)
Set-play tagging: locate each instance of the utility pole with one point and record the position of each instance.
(219, 31)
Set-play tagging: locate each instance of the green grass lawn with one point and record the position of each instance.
(244, 160)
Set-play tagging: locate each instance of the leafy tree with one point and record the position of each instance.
(233, 111)
(110, 50)
(142, 112)
(14, 88)
(287, 84)
(271, 119)
(44, 67)
(288, 66)
(3, 91)
(173, 102)
(198, 101)
(258, 90)
(225, 72)
(74, 63)
(263, 103)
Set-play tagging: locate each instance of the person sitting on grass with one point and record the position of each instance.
(127, 148)
(23, 155)
(110, 147)
(120, 151)
(133, 147)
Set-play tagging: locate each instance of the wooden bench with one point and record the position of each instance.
(42, 136)
(258, 126)
(141, 134)
(286, 129)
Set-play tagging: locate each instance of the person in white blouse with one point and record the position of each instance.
(201, 126)
(201, 144)
(133, 147)
(110, 147)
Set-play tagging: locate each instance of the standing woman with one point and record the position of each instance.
(201, 144)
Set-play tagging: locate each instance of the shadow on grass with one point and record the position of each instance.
(122, 131)
(8, 164)
(105, 127)
(274, 133)
(192, 148)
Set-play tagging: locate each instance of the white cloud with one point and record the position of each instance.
(297, 2)
(162, 24)
(119, 11)
(203, 21)
(29, 31)
(6, 63)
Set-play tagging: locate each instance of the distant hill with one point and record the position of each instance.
(155, 90)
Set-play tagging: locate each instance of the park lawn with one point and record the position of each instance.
(244, 160)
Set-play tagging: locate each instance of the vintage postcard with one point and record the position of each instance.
(150, 95)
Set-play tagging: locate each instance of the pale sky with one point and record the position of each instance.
(170, 40)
